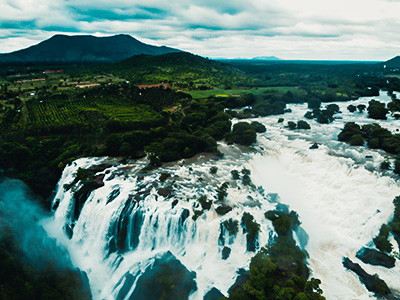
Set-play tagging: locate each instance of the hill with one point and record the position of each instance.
(392, 63)
(266, 58)
(185, 68)
(84, 48)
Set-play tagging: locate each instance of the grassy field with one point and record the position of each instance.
(241, 91)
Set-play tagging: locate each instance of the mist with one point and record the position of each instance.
(20, 213)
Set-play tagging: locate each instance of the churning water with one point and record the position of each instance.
(338, 191)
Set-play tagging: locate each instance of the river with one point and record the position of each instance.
(339, 192)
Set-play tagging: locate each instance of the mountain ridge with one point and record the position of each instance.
(392, 63)
(84, 48)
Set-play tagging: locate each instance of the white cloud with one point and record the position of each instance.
(306, 29)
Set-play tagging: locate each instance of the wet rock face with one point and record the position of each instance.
(165, 192)
(226, 251)
(167, 278)
(83, 193)
(371, 282)
(376, 258)
(213, 294)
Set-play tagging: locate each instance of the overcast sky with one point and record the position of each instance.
(288, 29)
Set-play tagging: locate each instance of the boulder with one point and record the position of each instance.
(372, 282)
(165, 192)
(376, 258)
(213, 294)
(167, 278)
(226, 251)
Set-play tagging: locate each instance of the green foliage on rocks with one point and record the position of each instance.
(381, 240)
(242, 133)
(278, 271)
(377, 110)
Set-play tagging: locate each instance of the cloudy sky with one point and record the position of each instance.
(289, 29)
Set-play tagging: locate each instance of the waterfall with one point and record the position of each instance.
(132, 220)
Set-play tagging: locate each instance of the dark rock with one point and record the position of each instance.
(167, 276)
(99, 168)
(226, 251)
(374, 257)
(129, 280)
(99, 179)
(372, 282)
(69, 230)
(229, 226)
(81, 195)
(243, 276)
(114, 194)
(115, 174)
(55, 204)
(129, 218)
(85, 283)
(213, 294)
(112, 246)
(314, 146)
(165, 192)
(223, 209)
(141, 195)
(185, 214)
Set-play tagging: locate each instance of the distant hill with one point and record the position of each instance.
(84, 48)
(266, 58)
(176, 67)
(392, 63)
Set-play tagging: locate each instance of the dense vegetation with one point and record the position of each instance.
(279, 270)
(375, 136)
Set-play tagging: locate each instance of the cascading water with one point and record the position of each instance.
(133, 219)
(130, 220)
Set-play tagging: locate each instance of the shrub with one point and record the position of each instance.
(221, 191)
(303, 125)
(258, 127)
(164, 176)
(351, 108)
(213, 170)
(309, 115)
(291, 125)
(361, 107)
(377, 110)
(357, 140)
(396, 169)
(242, 133)
(235, 174)
(204, 203)
(314, 103)
(385, 165)
(232, 226)
(334, 108)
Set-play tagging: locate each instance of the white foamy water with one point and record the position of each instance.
(341, 198)
(341, 204)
